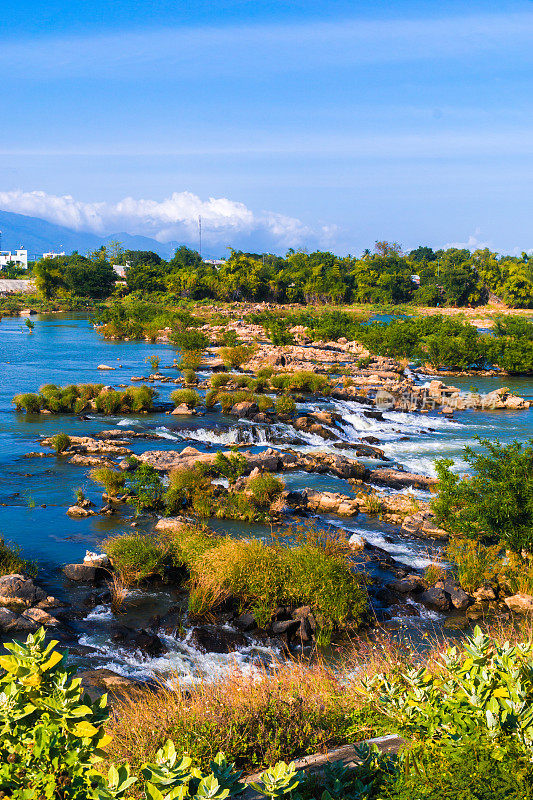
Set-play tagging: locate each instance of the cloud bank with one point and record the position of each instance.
(174, 219)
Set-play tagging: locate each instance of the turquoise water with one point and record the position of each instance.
(35, 492)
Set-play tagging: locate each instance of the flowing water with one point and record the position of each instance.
(35, 492)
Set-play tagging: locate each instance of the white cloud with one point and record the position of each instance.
(224, 222)
(473, 243)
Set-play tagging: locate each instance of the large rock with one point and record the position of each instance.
(520, 603)
(209, 639)
(436, 598)
(411, 583)
(16, 591)
(146, 643)
(245, 409)
(79, 512)
(398, 479)
(80, 572)
(10, 622)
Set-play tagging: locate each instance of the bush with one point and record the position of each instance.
(495, 501)
(474, 769)
(264, 489)
(111, 479)
(285, 405)
(12, 562)
(185, 487)
(302, 381)
(220, 379)
(474, 563)
(145, 488)
(189, 397)
(265, 373)
(230, 466)
(189, 339)
(189, 375)
(61, 442)
(136, 556)
(190, 359)
(483, 688)
(154, 362)
(211, 398)
(30, 403)
(233, 357)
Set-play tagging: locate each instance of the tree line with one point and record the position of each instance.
(425, 277)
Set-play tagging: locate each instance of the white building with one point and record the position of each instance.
(19, 258)
(54, 255)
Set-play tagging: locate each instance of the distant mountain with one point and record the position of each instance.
(38, 236)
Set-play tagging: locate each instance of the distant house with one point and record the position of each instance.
(54, 255)
(19, 258)
(120, 270)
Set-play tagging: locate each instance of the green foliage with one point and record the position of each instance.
(189, 339)
(76, 398)
(278, 331)
(111, 479)
(52, 734)
(474, 563)
(230, 466)
(154, 362)
(28, 402)
(30, 325)
(496, 501)
(301, 381)
(136, 556)
(81, 275)
(145, 489)
(279, 781)
(473, 769)
(220, 379)
(264, 489)
(12, 561)
(483, 687)
(189, 376)
(61, 442)
(190, 397)
(285, 405)
(234, 357)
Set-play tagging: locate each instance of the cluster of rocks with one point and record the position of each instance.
(24, 607)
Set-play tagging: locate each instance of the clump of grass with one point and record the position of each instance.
(285, 712)
(302, 381)
(154, 362)
(74, 399)
(228, 399)
(60, 442)
(28, 402)
(111, 479)
(474, 562)
(137, 556)
(264, 489)
(220, 379)
(189, 376)
(188, 397)
(12, 562)
(234, 357)
(433, 573)
(285, 405)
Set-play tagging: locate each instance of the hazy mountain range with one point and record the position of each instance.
(38, 236)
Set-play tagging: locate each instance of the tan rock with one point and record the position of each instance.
(520, 603)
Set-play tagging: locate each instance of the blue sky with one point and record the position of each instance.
(282, 123)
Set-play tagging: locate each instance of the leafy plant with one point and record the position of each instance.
(496, 501)
(234, 357)
(145, 488)
(60, 442)
(285, 405)
(189, 397)
(154, 362)
(111, 479)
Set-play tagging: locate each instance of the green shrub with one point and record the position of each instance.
(229, 338)
(495, 501)
(233, 357)
(190, 359)
(190, 397)
(265, 373)
(145, 488)
(285, 405)
(220, 379)
(302, 381)
(230, 466)
(211, 398)
(185, 486)
(264, 489)
(228, 399)
(189, 376)
(61, 442)
(111, 479)
(484, 687)
(474, 563)
(474, 769)
(154, 362)
(28, 402)
(136, 556)
(189, 339)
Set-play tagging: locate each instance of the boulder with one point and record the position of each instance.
(16, 591)
(485, 592)
(80, 572)
(210, 639)
(39, 616)
(10, 622)
(245, 409)
(245, 621)
(411, 583)
(182, 410)
(398, 479)
(436, 598)
(147, 643)
(105, 367)
(79, 511)
(520, 603)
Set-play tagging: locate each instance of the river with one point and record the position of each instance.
(36, 492)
